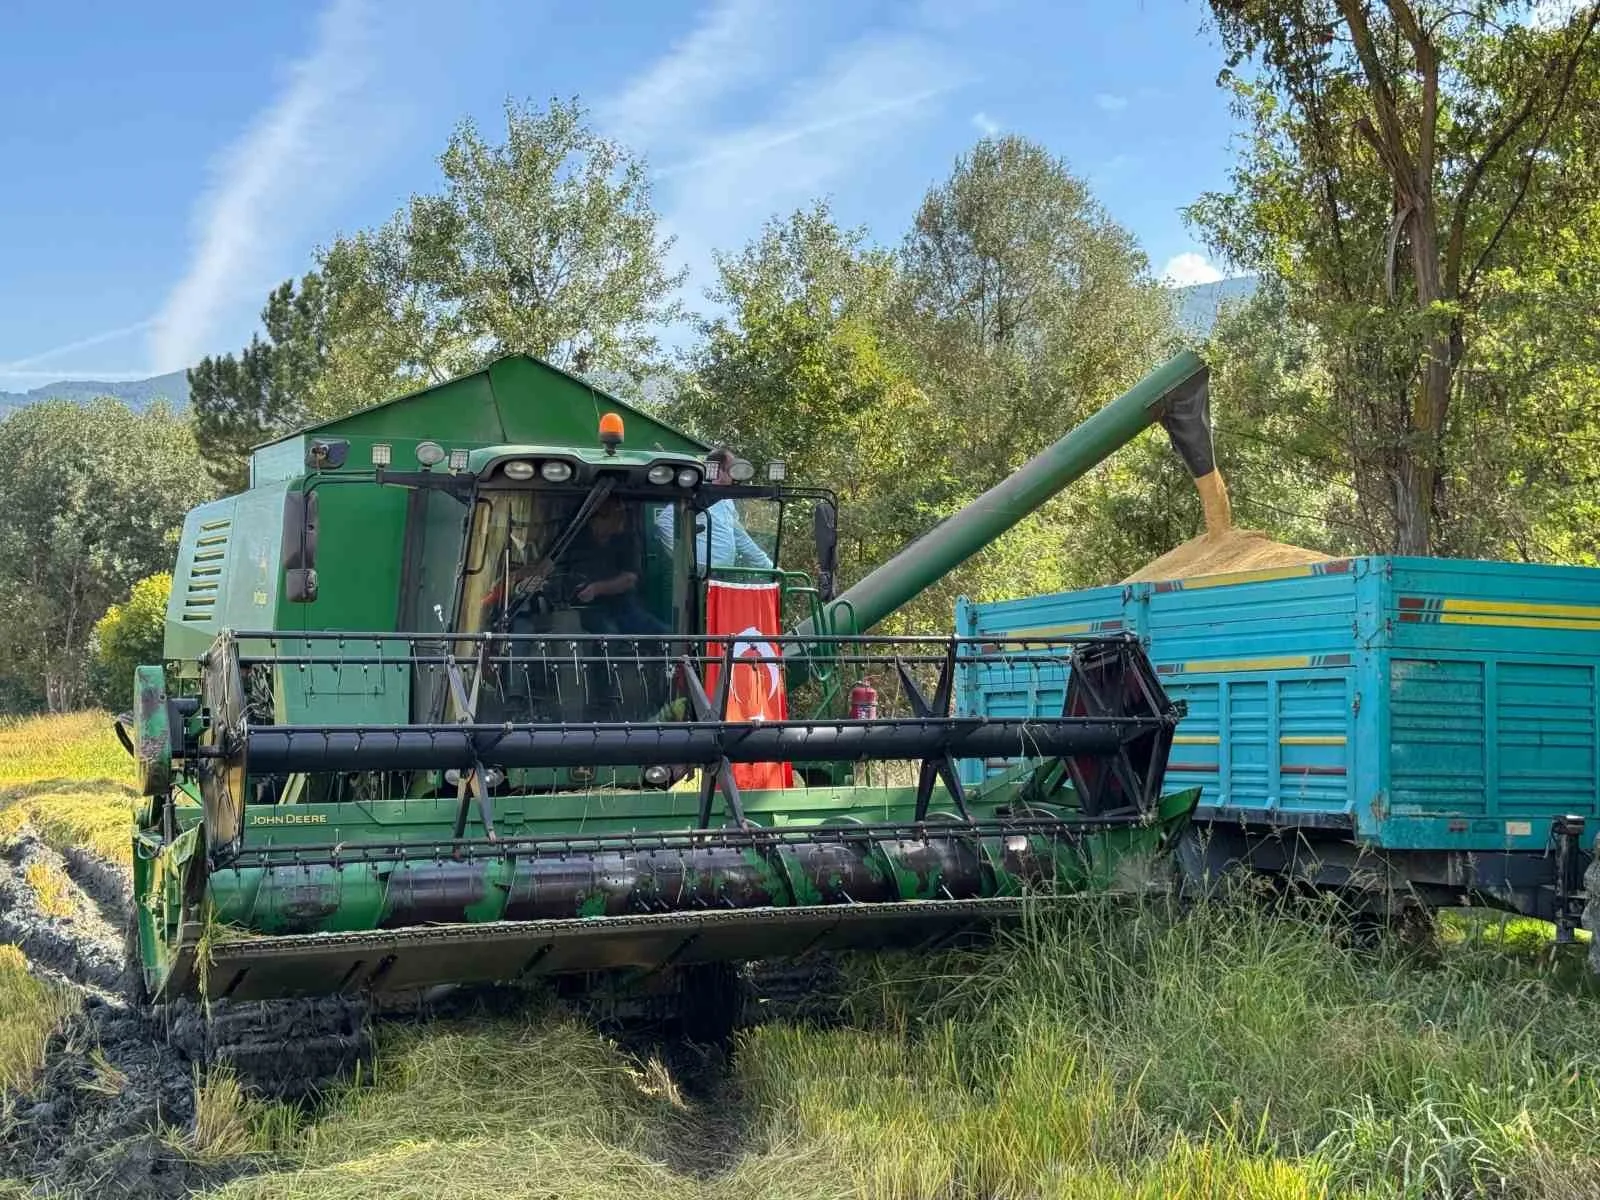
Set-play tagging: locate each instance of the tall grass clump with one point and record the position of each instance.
(1125, 1046)
(532, 1107)
(69, 746)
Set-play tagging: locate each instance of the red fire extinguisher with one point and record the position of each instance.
(864, 701)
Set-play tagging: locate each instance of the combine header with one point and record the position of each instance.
(492, 717)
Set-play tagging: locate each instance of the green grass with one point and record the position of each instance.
(1122, 1052)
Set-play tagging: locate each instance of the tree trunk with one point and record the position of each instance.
(1419, 455)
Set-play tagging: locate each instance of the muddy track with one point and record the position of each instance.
(63, 930)
(109, 1112)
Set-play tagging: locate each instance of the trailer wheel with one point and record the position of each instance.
(1591, 908)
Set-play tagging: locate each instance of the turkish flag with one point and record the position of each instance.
(748, 612)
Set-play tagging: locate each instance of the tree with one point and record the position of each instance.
(911, 382)
(545, 244)
(244, 400)
(1400, 152)
(94, 496)
(1023, 308)
(802, 366)
(1025, 303)
(129, 635)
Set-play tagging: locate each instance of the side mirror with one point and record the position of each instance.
(300, 547)
(825, 525)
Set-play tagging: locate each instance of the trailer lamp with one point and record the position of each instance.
(741, 471)
(555, 471)
(519, 470)
(688, 477)
(458, 460)
(777, 471)
(381, 454)
(430, 454)
(658, 776)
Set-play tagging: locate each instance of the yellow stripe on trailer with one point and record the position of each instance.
(1309, 739)
(1196, 739)
(1521, 608)
(1518, 614)
(1265, 573)
(1283, 662)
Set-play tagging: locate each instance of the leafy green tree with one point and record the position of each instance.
(1399, 153)
(801, 366)
(545, 243)
(911, 382)
(239, 401)
(129, 635)
(94, 497)
(1024, 302)
(1023, 308)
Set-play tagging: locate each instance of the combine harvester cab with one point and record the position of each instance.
(449, 698)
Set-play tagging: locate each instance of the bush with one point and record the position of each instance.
(128, 636)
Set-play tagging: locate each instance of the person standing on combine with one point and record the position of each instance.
(729, 543)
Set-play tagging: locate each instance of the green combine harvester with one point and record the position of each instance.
(440, 706)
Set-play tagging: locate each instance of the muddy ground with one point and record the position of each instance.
(112, 1081)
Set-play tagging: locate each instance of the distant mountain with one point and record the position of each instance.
(135, 393)
(1199, 304)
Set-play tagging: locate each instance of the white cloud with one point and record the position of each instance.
(1189, 268)
(298, 153)
(733, 44)
(985, 124)
(14, 368)
(1110, 101)
(822, 126)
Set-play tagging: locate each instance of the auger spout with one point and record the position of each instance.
(1175, 394)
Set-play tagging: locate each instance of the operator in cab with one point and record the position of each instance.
(717, 529)
(605, 566)
(598, 575)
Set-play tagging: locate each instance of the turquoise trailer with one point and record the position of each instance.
(1426, 729)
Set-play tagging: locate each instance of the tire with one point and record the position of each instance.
(132, 986)
(1591, 908)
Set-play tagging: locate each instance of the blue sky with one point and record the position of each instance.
(166, 164)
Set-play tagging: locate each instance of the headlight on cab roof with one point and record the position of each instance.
(519, 469)
(556, 471)
(660, 473)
